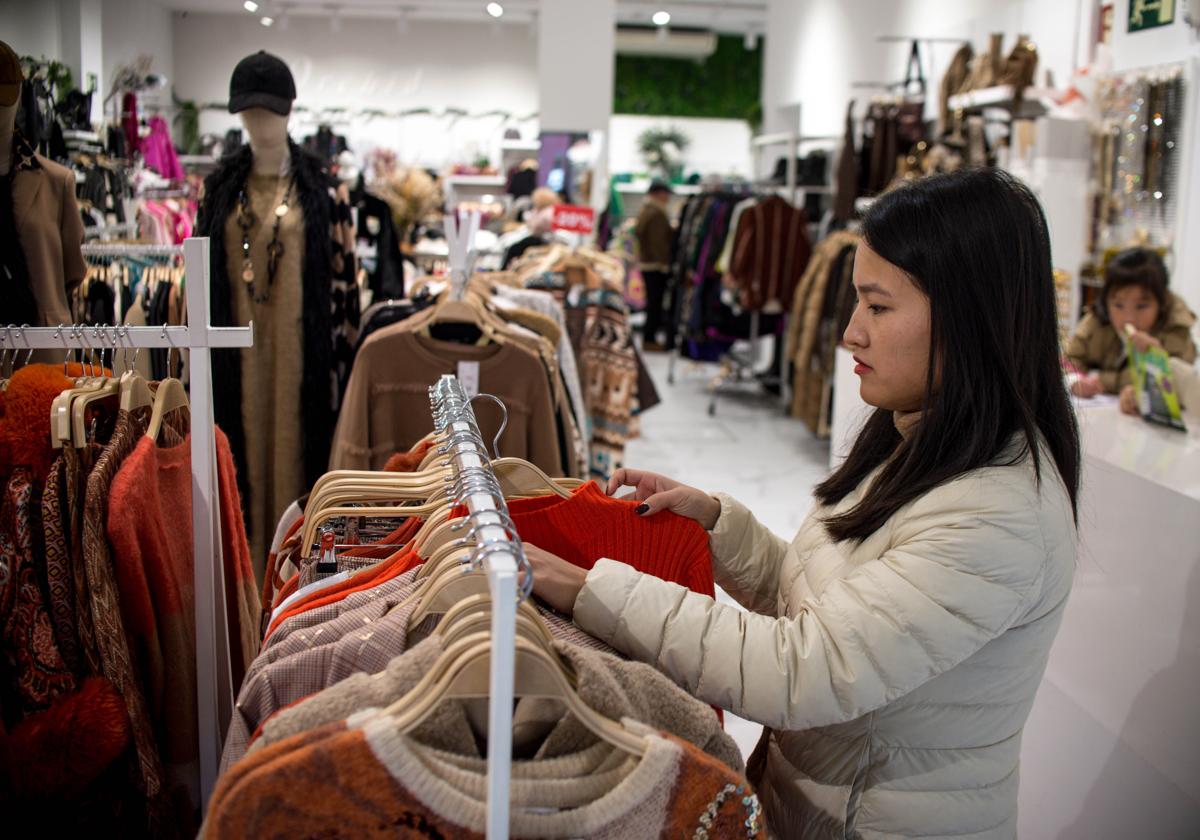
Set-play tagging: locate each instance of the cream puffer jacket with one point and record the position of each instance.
(894, 675)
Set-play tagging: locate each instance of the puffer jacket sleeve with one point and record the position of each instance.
(747, 557)
(967, 561)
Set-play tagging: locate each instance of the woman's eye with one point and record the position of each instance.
(877, 309)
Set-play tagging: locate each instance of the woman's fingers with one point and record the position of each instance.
(623, 478)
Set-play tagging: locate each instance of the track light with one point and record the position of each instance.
(267, 21)
(250, 6)
(661, 18)
(495, 10)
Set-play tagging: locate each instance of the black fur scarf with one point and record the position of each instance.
(221, 190)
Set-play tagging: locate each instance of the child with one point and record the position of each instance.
(1135, 292)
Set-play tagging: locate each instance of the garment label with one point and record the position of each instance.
(468, 375)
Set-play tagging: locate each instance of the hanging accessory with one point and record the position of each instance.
(275, 250)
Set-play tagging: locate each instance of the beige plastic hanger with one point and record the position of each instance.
(463, 671)
(169, 397)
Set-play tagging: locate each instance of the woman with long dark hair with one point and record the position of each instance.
(894, 647)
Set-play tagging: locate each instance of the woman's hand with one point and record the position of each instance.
(657, 492)
(555, 581)
(1087, 386)
(1129, 401)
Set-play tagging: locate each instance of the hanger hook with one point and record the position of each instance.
(21, 334)
(503, 420)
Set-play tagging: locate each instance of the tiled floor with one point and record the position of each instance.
(749, 449)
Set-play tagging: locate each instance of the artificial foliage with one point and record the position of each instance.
(727, 84)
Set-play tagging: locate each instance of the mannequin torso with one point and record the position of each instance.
(8, 125)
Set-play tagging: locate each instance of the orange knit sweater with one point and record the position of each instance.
(364, 779)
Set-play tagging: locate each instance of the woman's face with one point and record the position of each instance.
(1132, 305)
(888, 334)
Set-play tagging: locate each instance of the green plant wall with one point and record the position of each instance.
(727, 84)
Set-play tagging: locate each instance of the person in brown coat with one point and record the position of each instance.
(1135, 294)
(654, 255)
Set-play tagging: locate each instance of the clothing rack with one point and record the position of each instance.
(213, 677)
(499, 551)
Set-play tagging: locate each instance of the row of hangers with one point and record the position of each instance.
(97, 384)
(453, 583)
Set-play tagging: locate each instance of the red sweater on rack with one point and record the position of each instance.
(150, 528)
(591, 525)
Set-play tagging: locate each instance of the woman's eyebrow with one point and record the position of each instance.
(872, 288)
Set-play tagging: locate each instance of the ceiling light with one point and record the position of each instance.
(661, 18)
(250, 6)
(266, 21)
(495, 10)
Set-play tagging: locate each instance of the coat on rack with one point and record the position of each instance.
(330, 304)
(50, 231)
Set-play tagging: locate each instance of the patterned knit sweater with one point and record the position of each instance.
(366, 779)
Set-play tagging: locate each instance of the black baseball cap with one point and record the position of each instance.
(262, 80)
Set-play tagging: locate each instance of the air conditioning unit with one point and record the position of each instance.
(695, 44)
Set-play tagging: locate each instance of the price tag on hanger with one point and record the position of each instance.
(468, 375)
(573, 218)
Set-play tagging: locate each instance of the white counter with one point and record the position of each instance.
(1112, 747)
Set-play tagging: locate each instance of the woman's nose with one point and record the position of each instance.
(855, 335)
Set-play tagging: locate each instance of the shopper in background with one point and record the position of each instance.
(894, 647)
(1135, 293)
(654, 256)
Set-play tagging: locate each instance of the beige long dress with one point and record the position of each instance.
(272, 368)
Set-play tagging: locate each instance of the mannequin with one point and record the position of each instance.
(268, 139)
(8, 125)
(281, 248)
(41, 231)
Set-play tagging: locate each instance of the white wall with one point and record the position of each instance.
(370, 64)
(132, 28)
(30, 27)
(720, 147)
(814, 50)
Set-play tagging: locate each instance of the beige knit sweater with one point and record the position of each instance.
(386, 407)
(542, 729)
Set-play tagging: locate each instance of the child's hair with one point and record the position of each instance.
(1134, 267)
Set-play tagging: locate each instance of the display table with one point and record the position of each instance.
(1112, 746)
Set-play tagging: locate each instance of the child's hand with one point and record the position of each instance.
(1087, 387)
(1143, 341)
(1129, 401)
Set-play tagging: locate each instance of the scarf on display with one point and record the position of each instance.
(317, 392)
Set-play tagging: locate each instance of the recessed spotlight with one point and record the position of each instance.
(661, 18)
(250, 6)
(267, 21)
(495, 10)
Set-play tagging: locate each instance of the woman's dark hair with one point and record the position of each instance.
(976, 243)
(1135, 267)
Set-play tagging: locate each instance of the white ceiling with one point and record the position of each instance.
(732, 16)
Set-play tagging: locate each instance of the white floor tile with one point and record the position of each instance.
(749, 449)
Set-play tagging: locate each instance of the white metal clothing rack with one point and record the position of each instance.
(500, 553)
(213, 677)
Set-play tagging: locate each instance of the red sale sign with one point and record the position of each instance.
(573, 218)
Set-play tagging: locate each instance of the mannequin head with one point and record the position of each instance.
(268, 139)
(264, 128)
